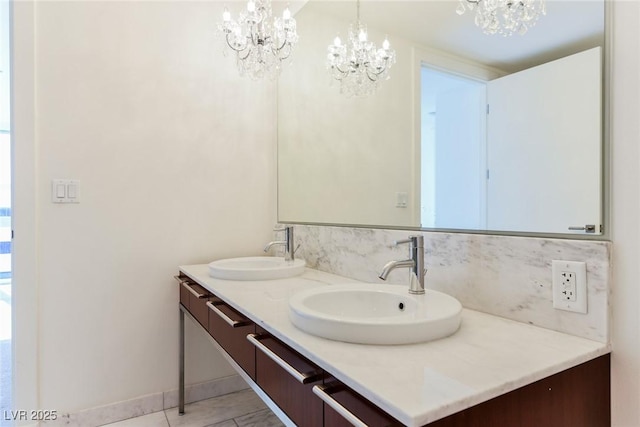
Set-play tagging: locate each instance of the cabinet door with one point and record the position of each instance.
(230, 329)
(342, 404)
(288, 379)
(579, 396)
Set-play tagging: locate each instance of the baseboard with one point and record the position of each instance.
(148, 404)
(206, 390)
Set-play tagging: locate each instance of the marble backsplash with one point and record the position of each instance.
(505, 276)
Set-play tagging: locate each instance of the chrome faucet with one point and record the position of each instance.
(416, 264)
(287, 242)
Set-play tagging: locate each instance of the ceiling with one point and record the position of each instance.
(568, 27)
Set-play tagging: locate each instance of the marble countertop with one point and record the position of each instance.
(416, 383)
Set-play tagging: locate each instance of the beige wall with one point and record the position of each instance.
(175, 155)
(625, 211)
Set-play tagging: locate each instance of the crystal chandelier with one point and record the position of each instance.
(260, 42)
(359, 66)
(504, 16)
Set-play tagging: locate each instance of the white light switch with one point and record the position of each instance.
(65, 191)
(60, 191)
(72, 190)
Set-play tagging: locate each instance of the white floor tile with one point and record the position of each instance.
(264, 418)
(216, 410)
(243, 408)
(157, 419)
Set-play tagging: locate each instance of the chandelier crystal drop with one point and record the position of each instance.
(359, 65)
(260, 42)
(504, 17)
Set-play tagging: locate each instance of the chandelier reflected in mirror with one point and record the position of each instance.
(260, 41)
(504, 17)
(359, 65)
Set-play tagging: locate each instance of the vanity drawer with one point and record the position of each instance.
(341, 404)
(288, 379)
(194, 298)
(230, 329)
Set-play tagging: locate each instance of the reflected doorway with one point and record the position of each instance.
(454, 151)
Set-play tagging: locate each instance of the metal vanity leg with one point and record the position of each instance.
(181, 380)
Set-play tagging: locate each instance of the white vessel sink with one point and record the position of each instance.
(375, 314)
(255, 268)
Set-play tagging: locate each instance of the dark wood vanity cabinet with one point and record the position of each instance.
(288, 378)
(577, 397)
(194, 298)
(357, 405)
(225, 325)
(230, 329)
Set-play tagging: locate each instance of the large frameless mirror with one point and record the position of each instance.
(470, 132)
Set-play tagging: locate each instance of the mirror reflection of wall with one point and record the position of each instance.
(422, 152)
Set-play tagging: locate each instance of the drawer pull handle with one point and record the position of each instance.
(299, 376)
(326, 398)
(193, 291)
(230, 321)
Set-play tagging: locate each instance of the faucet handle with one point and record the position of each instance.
(401, 242)
(415, 241)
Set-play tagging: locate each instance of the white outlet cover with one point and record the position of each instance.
(580, 271)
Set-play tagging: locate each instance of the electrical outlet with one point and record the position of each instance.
(569, 285)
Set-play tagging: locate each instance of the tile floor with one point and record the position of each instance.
(241, 409)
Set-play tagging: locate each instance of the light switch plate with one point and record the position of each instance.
(402, 199)
(65, 191)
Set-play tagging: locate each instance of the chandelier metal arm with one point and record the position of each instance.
(242, 58)
(287, 52)
(228, 33)
(342, 73)
(277, 49)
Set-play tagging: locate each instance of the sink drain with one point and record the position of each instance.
(401, 306)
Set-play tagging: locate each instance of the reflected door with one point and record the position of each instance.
(544, 172)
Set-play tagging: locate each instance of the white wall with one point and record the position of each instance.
(625, 211)
(176, 159)
(322, 130)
